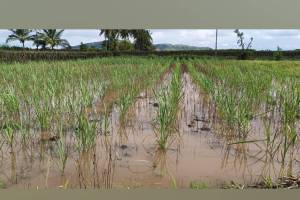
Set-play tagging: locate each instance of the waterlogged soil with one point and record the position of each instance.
(127, 155)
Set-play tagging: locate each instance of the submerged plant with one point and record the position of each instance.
(86, 95)
(164, 118)
(12, 121)
(290, 101)
(125, 102)
(168, 104)
(105, 121)
(85, 133)
(198, 185)
(62, 149)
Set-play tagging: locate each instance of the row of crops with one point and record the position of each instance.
(64, 107)
(265, 92)
(42, 101)
(9, 56)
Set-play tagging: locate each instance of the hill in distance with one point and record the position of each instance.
(158, 47)
(178, 47)
(97, 45)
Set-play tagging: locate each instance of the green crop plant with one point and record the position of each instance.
(62, 149)
(86, 94)
(164, 118)
(236, 88)
(290, 101)
(206, 84)
(105, 121)
(125, 101)
(11, 112)
(85, 133)
(168, 100)
(256, 100)
(198, 185)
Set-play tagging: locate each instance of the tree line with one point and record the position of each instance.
(115, 39)
(44, 38)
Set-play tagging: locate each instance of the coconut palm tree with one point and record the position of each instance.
(142, 39)
(110, 36)
(52, 37)
(124, 33)
(21, 35)
(106, 33)
(38, 40)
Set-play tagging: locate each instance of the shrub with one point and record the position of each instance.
(83, 47)
(278, 54)
(125, 45)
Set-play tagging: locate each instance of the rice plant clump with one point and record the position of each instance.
(169, 99)
(85, 133)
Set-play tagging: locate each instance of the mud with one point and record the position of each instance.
(128, 156)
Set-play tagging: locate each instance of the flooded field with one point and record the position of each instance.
(151, 123)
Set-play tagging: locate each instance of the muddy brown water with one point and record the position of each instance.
(128, 156)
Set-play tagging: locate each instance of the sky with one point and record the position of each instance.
(264, 39)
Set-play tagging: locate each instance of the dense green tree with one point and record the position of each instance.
(142, 40)
(52, 37)
(21, 35)
(38, 40)
(111, 37)
(125, 45)
(83, 47)
(124, 33)
(278, 54)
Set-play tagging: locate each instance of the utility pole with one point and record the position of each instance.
(216, 46)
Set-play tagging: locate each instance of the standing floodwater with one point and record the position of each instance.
(141, 122)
